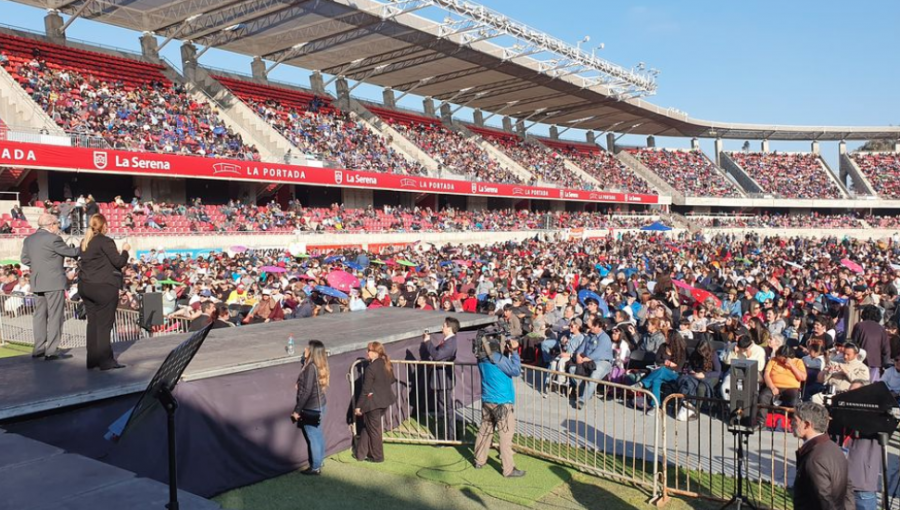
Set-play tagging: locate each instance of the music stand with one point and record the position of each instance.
(159, 393)
(866, 411)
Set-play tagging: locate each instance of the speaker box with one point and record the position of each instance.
(744, 391)
(151, 313)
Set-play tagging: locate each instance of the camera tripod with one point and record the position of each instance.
(742, 435)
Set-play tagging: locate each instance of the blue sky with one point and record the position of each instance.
(781, 62)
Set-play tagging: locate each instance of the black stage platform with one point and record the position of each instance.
(235, 399)
(32, 386)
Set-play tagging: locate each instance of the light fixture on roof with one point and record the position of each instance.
(586, 38)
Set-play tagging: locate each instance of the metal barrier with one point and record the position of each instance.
(605, 437)
(17, 323)
(699, 456)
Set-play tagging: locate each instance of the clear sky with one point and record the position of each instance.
(824, 62)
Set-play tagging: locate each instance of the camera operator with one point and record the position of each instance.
(497, 399)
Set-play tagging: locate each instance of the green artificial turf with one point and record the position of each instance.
(440, 479)
(453, 467)
(10, 350)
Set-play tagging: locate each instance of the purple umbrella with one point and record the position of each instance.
(272, 269)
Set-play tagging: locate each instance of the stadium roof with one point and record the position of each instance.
(454, 61)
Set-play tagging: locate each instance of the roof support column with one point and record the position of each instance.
(520, 127)
(718, 149)
(316, 83)
(764, 145)
(388, 96)
(815, 147)
(428, 107)
(446, 113)
(554, 133)
(507, 124)
(842, 147)
(651, 141)
(258, 69)
(611, 142)
(897, 145)
(591, 138)
(478, 118)
(53, 26)
(343, 93)
(188, 60)
(695, 144)
(150, 47)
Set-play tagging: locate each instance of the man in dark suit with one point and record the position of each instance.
(441, 378)
(822, 481)
(44, 252)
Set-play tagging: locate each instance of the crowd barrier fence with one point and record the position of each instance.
(17, 326)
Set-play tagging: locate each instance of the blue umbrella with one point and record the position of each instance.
(333, 258)
(354, 266)
(603, 270)
(331, 291)
(656, 226)
(836, 299)
(584, 295)
(445, 263)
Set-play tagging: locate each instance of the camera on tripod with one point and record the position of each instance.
(491, 339)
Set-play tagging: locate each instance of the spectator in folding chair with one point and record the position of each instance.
(783, 378)
(568, 344)
(593, 359)
(699, 379)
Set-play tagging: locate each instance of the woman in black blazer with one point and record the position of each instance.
(99, 282)
(377, 395)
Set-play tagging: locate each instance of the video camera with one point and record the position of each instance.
(488, 340)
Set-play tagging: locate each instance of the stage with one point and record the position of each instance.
(235, 397)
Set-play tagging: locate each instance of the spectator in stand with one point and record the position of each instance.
(689, 172)
(544, 165)
(153, 115)
(612, 173)
(788, 175)
(882, 170)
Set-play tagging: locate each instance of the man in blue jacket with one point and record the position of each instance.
(593, 358)
(498, 397)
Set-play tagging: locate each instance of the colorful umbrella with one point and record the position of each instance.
(699, 295)
(853, 266)
(354, 266)
(584, 295)
(406, 263)
(239, 249)
(169, 282)
(342, 280)
(9, 262)
(272, 269)
(379, 262)
(746, 262)
(328, 291)
(333, 258)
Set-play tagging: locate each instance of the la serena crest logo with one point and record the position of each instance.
(100, 160)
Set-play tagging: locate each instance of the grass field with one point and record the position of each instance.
(10, 350)
(425, 477)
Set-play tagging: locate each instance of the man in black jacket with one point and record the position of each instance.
(441, 378)
(822, 481)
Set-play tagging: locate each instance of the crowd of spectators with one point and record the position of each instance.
(603, 166)
(544, 164)
(322, 131)
(454, 152)
(788, 175)
(766, 220)
(882, 221)
(144, 112)
(689, 172)
(689, 303)
(882, 170)
(149, 217)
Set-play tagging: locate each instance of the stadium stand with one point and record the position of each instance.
(883, 171)
(544, 165)
(601, 165)
(788, 175)
(804, 221)
(689, 172)
(157, 218)
(458, 154)
(319, 129)
(129, 103)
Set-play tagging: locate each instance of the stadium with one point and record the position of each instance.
(512, 186)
